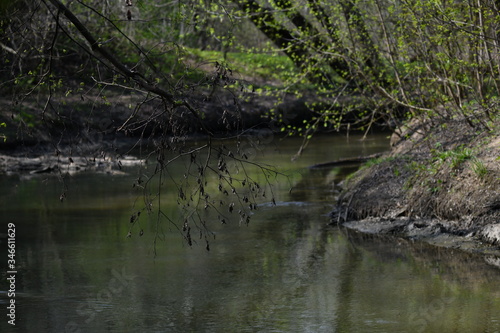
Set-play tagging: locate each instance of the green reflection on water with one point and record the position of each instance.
(284, 272)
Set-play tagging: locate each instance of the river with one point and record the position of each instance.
(287, 270)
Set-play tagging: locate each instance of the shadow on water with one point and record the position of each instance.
(454, 284)
(306, 190)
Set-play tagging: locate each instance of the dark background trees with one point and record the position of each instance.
(402, 55)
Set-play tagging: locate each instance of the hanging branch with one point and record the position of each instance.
(103, 55)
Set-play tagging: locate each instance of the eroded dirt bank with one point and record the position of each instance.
(440, 183)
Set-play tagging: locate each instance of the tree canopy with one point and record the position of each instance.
(404, 57)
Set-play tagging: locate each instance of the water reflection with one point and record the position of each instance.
(287, 271)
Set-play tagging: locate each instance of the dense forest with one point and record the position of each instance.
(386, 60)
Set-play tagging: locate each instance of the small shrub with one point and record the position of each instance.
(459, 156)
(479, 168)
(3, 136)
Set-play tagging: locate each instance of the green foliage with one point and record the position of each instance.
(370, 61)
(460, 156)
(26, 118)
(3, 136)
(455, 157)
(479, 168)
(419, 55)
(273, 68)
(433, 173)
(379, 160)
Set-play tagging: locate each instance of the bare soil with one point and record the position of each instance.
(440, 183)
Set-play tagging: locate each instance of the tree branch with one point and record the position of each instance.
(105, 54)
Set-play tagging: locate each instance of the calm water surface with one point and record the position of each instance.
(287, 271)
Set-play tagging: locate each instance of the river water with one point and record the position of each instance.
(286, 271)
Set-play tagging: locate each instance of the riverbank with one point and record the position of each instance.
(440, 184)
(43, 135)
(434, 185)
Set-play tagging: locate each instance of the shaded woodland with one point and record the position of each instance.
(399, 59)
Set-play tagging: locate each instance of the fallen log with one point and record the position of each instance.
(51, 163)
